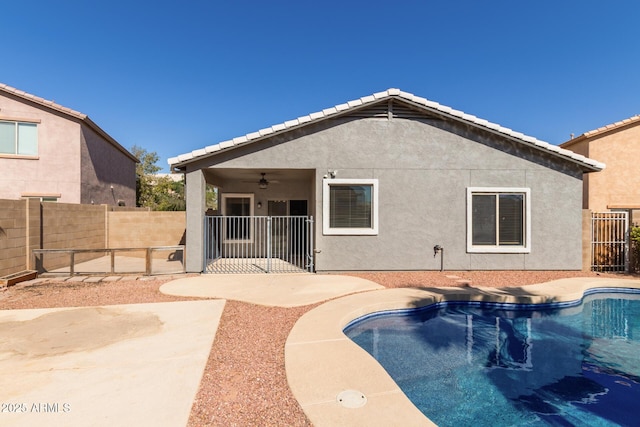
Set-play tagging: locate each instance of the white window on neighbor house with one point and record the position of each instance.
(498, 220)
(350, 207)
(238, 208)
(18, 138)
(42, 197)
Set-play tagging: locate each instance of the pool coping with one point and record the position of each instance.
(321, 362)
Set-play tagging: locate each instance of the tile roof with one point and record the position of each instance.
(601, 130)
(42, 101)
(67, 111)
(340, 109)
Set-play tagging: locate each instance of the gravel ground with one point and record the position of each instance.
(244, 382)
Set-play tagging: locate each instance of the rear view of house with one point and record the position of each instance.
(53, 153)
(390, 181)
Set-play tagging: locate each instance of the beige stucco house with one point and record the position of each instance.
(613, 194)
(54, 153)
(618, 146)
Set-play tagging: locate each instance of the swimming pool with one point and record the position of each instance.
(487, 364)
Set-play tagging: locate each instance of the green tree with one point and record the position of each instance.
(159, 193)
(211, 197)
(635, 248)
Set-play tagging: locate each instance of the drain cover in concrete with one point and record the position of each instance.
(351, 399)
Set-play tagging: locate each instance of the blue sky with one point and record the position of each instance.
(175, 76)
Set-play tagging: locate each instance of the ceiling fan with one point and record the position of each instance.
(263, 183)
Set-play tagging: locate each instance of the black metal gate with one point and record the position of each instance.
(258, 244)
(610, 241)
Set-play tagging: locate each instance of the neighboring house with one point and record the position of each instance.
(617, 145)
(53, 153)
(389, 178)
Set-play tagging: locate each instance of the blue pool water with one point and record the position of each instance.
(486, 365)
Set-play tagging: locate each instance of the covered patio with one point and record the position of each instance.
(262, 221)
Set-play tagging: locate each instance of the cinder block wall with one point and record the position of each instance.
(143, 229)
(13, 236)
(72, 226)
(28, 224)
(586, 240)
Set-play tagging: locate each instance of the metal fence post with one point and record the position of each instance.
(309, 249)
(147, 263)
(268, 244)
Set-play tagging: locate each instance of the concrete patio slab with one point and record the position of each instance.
(103, 366)
(322, 362)
(280, 290)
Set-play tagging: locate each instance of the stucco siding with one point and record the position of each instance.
(556, 224)
(76, 161)
(424, 168)
(619, 182)
(104, 167)
(58, 153)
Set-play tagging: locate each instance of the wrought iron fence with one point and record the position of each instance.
(610, 241)
(258, 244)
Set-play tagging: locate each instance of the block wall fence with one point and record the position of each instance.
(29, 224)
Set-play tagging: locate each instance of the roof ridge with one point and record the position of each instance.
(69, 112)
(389, 93)
(41, 101)
(612, 126)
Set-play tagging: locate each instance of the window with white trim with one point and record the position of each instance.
(238, 208)
(18, 138)
(350, 206)
(43, 198)
(498, 219)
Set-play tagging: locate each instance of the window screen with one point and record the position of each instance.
(350, 206)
